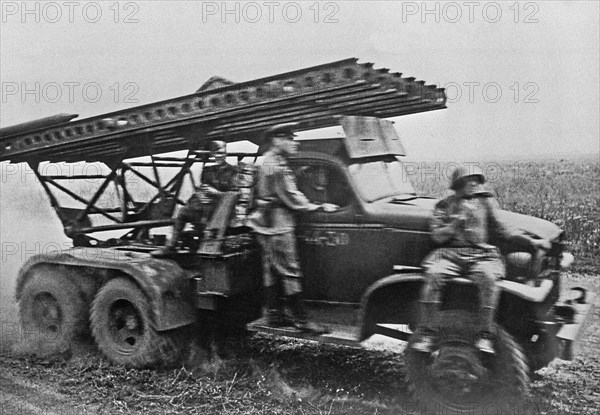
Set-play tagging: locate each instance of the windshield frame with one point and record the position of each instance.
(381, 167)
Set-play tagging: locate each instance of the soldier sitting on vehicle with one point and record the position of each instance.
(216, 179)
(277, 199)
(462, 226)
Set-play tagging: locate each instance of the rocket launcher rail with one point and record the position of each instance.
(315, 97)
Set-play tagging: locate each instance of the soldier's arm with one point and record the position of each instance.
(207, 189)
(288, 193)
(231, 172)
(443, 225)
(508, 233)
(207, 180)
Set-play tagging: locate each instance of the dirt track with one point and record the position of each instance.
(23, 395)
(267, 375)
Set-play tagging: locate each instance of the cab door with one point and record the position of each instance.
(331, 245)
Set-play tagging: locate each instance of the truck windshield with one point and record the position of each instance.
(380, 179)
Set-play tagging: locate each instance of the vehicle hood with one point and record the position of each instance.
(415, 215)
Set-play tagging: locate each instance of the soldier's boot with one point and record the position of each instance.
(171, 247)
(275, 316)
(300, 317)
(485, 341)
(426, 340)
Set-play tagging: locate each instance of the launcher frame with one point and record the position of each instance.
(314, 97)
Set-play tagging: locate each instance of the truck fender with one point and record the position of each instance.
(162, 280)
(393, 300)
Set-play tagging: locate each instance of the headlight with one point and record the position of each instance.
(566, 260)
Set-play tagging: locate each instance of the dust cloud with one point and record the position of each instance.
(28, 226)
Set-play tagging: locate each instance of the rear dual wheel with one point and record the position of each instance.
(123, 328)
(52, 311)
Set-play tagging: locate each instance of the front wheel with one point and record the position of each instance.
(121, 323)
(457, 379)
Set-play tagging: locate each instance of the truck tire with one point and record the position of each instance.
(121, 321)
(52, 311)
(456, 379)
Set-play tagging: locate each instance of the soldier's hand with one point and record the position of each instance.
(209, 190)
(544, 244)
(329, 207)
(459, 220)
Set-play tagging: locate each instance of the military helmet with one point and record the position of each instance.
(462, 172)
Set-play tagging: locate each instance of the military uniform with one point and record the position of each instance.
(463, 228)
(216, 179)
(277, 198)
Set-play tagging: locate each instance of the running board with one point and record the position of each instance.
(395, 331)
(340, 334)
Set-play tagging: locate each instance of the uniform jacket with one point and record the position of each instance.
(276, 197)
(216, 179)
(480, 223)
(221, 177)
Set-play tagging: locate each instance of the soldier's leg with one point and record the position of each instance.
(287, 265)
(184, 216)
(273, 306)
(439, 265)
(485, 274)
(187, 214)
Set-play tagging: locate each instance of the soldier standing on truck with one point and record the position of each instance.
(462, 226)
(277, 198)
(216, 179)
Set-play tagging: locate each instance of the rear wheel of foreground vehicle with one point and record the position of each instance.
(52, 310)
(457, 379)
(121, 323)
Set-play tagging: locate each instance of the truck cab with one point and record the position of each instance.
(361, 263)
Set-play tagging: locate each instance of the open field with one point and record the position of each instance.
(264, 375)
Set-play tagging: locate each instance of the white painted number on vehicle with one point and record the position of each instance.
(325, 238)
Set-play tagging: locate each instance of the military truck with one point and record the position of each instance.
(361, 264)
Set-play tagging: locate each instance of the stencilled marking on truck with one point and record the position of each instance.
(323, 237)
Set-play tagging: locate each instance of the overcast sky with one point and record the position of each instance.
(522, 78)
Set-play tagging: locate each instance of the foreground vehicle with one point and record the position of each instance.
(360, 263)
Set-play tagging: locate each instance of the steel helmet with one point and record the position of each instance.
(462, 172)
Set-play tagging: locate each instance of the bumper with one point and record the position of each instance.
(569, 335)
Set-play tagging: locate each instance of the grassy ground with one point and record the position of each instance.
(264, 375)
